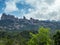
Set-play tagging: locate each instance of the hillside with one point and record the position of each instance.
(10, 22)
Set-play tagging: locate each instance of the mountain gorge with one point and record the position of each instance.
(10, 22)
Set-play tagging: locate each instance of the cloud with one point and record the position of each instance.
(11, 6)
(17, 6)
(43, 10)
(49, 1)
(0, 15)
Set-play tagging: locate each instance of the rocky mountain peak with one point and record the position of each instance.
(7, 17)
(10, 22)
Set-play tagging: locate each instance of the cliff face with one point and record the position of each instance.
(9, 22)
(4, 17)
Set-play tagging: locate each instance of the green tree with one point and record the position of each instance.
(41, 38)
(56, 38)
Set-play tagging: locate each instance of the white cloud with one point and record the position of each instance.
(43, 9)
(11, 6)
(0, 15)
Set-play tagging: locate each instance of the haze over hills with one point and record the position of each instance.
(10, 22)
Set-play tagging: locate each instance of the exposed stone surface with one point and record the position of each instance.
(10, 22)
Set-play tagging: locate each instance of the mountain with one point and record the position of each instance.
(10, 22)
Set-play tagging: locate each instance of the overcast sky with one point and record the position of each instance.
(38, 9)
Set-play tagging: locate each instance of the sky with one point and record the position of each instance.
(37, 9)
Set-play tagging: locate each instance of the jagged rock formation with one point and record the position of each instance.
(9, 22)
(4, 17)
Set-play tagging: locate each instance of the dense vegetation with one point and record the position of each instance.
(42, 37)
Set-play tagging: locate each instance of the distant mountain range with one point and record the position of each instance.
(10, 22)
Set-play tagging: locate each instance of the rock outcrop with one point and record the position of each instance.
(10, 22)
